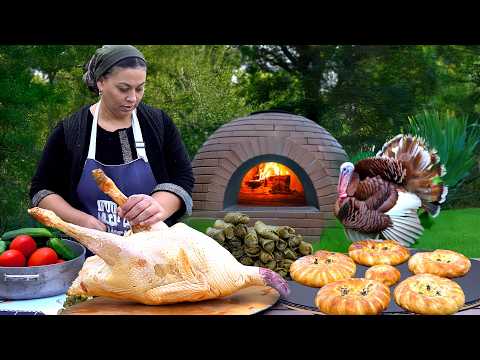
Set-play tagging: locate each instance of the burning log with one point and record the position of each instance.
(279, 184)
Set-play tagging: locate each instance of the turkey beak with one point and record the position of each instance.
(343, 182)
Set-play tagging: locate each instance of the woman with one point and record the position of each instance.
(137, 146)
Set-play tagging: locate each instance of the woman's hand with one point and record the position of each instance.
(142, 210)
(92, 222)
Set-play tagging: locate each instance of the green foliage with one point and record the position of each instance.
(360, 94)
(361, 155)
(279, 90)
(425, 219)
(39, 85)
(454, 230)
(193, 84)
(458, 74)
(454, 139)
(199, 224)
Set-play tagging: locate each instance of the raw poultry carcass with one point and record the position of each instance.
(159, 266)
(378, 197)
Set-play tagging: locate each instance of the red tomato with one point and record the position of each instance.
(25, 244)
(12, 258)
(43, 256)
(59, 261)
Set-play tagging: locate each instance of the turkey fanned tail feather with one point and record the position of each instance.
(406, 226)
(423, 170)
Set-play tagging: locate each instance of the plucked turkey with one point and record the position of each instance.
(158, 266)
(378, 197)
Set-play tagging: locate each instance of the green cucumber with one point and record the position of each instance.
(3, 246)
(33, 232)
(61, 248)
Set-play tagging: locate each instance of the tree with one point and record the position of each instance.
(194, 85)
(39, 85)
(362, 94)
(308, 63)
(458, 73)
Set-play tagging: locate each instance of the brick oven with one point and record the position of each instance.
(274, 166)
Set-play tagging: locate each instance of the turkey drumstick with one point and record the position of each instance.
(106, 185)
(104, 244)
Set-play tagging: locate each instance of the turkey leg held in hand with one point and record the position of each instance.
(106, 184)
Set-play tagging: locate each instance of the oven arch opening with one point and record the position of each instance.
(270, 181)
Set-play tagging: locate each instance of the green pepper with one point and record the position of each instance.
(61, 248)
(3, 246)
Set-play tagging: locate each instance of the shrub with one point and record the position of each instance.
(454, 139)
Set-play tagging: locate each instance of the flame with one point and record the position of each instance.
(267, 169)
(271, 184)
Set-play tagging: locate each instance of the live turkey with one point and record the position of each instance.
(379, 197)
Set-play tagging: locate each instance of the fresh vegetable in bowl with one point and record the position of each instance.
(61, 248)
(25, 244)
(33, 232)
(3, 246)
(28, 241)
(43, 256)
(12, 258)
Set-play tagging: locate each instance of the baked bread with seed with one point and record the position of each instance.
(429, 294)
(356, 296)
(445, 263)
(386, 274)
(321, 268)
(378, 252)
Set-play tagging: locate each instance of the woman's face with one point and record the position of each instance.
(122, 90)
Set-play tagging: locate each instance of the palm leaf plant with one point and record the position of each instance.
(455, 141)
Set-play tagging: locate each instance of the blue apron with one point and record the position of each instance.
(135, 177)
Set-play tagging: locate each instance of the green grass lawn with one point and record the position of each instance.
(457, 230)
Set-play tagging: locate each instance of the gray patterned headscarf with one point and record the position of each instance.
(104, 59)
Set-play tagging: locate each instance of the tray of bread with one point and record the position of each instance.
(383, 277)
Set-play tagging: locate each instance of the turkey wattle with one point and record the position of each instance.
(160, 266)
(380, 196)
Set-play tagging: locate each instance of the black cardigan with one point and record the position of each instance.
(61, 165)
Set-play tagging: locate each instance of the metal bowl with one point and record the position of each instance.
(21, 283)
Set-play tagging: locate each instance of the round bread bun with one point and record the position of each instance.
(386, 274)
(322, 268)
(356, 296)
(429, 294)
(378, 252)
(445, 263)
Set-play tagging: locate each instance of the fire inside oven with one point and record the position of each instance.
(271, 184)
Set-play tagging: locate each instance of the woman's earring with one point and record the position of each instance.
(100, 92)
